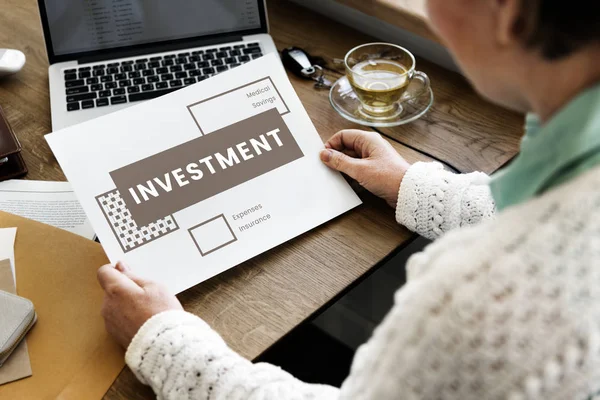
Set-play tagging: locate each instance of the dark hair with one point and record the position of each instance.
(559, 27)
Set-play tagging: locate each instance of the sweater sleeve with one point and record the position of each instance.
(433, 201)
(181, 357)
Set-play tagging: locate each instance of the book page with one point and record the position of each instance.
(52, 203)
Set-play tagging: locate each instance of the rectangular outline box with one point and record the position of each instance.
(234, 90)
(218, 247)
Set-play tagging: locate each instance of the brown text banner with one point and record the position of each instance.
(167, 182)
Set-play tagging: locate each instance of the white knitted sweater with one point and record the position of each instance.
(508, 308)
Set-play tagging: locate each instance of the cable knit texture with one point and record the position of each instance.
(433, 201)
(507, 308)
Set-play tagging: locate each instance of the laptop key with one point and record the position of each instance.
(97, 87)
(202, 77)
(256, 55)
(110, 85)
(181, 75)
(70, 71)
(189, 67)
(153, 79)
(214, 63)
(139, 67)
(127, 62)
(208, 57)
(85, 74)
(222, 68)
(181, 60)
(153, 64)
(139, 81)
(234, 53)
(252, 50)
(73, 106)
(70, 77)
(80, 97)
(194, 59)
(91, 81)
(150, 95)
(235, 65)
(101, 102)
(135, 74)
(221, 54)
(125, 83)
(106, 78)
(162, 85)
(230, 60)
(120, 77)
(239, 46)
(197, 52)
(153, 59)
(176, 68)
(112, 65)
(118, 92)
(203, 64)
(212, 50)
(244, 59)
(98, 72)
(255, 44)
(126, 68)
(175, 83)
(104, 93)
(118, 100)
(77, 90)
(225, 48)
(207, 71)
(147, 87)
(148, 72)
(84, 69)
(141, 60)
(87, 104)
(168, 57)
(162, 70)
(112, 70)
(166, 77)
(195, 73)
(133, 89)
(189, 81)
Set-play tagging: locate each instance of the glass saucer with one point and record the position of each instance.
(344, 101)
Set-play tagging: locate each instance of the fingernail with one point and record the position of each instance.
(121, 266)
(326, 155)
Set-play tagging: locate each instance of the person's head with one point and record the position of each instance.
(500, 44)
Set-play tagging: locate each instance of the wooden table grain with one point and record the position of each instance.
(255, 304)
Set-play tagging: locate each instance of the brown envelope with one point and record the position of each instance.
(17, 366)
(72, 356)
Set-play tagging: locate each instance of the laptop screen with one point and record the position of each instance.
(77, 26)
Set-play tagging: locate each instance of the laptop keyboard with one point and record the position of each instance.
(147, 78)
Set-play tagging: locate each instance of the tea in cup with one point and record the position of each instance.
(383, 76)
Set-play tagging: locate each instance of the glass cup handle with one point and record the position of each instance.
(419, 84)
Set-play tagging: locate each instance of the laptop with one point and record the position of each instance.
(106, 55)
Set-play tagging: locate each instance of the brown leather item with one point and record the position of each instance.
(10, 148)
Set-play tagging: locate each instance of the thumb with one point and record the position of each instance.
(125, 270)
(341, 162)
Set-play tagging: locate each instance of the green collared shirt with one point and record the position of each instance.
(568, 145)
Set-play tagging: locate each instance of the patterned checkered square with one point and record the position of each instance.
(129, 235)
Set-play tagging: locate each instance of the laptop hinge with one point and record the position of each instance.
(157, 48)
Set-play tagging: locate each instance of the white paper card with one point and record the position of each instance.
(191, 184)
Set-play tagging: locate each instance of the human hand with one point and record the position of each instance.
(130, 301)
(369, 159)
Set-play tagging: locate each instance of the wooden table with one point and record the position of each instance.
(258, 302)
